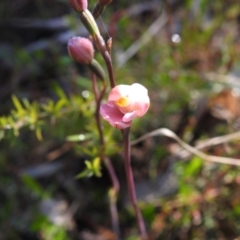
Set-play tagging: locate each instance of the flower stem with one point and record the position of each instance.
(113, 193)
(131, 185)
(115, 183)
(98, 99)
(101, 46)
(108, 61)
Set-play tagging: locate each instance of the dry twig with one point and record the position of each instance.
(168, 133)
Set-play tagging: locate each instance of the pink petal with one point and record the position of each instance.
(138, 98)
(118, 92)
(129, 116)
(138, 89)
(142, 106)
(112, 114)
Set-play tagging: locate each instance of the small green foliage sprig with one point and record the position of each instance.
(38, 116)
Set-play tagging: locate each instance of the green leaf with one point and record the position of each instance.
(38, 132)
(92, 168)
(96, 166)
(88, 165)
(33, 185)
(59, 91)
(86, 173)
(149, 212)
(38, 222)
(60, 104)
(193, 167)
(79, 137)
(18, 106)
(49, 107)
(3, 121)
(26, 103)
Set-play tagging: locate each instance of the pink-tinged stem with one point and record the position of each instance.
(106, 160)
(131, 185)
(113, 196)
(98, 99)
(108, 61)
(101, 46)
(112, 174)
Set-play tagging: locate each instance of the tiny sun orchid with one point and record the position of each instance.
(80, 49)
(125, 102)
(78, 5)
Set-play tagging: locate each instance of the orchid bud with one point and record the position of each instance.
(124, 104)
(78, 5)
(80, 49)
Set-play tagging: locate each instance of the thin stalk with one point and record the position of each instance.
(98, 98)
(113, 193)
(131, 185)
(115, 183)
(101, 46)
(108, 60)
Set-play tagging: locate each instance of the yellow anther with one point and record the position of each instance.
(122, 102)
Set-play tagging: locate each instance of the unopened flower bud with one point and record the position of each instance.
(78, 5)
(81, 50)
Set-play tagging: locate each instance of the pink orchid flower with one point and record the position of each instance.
(125, 102)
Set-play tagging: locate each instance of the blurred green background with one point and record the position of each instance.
(186, 53)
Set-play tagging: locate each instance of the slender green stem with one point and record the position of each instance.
(131, 185)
